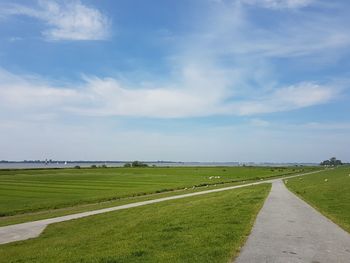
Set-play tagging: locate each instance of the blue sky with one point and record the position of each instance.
(185, 80)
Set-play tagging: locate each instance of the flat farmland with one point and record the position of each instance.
(23, 191)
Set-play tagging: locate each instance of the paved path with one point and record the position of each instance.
(288, 230)
(33, 229)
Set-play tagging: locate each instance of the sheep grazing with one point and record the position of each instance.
(326, 180)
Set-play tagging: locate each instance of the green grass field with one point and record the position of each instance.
(328, 192)
(23, 191)
(209, 228)
(49, 213)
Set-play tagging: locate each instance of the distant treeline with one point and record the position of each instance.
(331, 162)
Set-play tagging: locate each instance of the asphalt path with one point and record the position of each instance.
(288, 230)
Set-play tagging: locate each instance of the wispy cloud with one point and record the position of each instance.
(110, 97)
(20, 92)
(289, 98)
(220, 70)
(297, 34)
(66, 20)
(280, 4)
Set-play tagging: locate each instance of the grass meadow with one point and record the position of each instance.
(26, 191)
(209, 228)
(328, 192)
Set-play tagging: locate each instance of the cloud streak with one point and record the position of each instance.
(280, 4)
(109, 97)
(221, 70)
(293, 97)
(67, 20)
(295, 35)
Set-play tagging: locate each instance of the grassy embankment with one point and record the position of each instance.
(29, 195)
(208, 228)
(328, 192)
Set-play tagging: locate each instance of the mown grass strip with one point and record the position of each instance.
(38, 190)
(38, 215)
(50, 213)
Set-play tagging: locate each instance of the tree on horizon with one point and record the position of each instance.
(333, 161)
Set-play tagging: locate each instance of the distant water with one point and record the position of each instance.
(26, 165)
(20, 165)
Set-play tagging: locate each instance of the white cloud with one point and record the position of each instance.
(110, 98)
(280, 4)
(95, 139)
(26, 92)
(67, 20)
(289, 98)
(193, 96)
(200, 93)
(236, 32)
(200, 84)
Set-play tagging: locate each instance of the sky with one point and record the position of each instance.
(185, 80)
